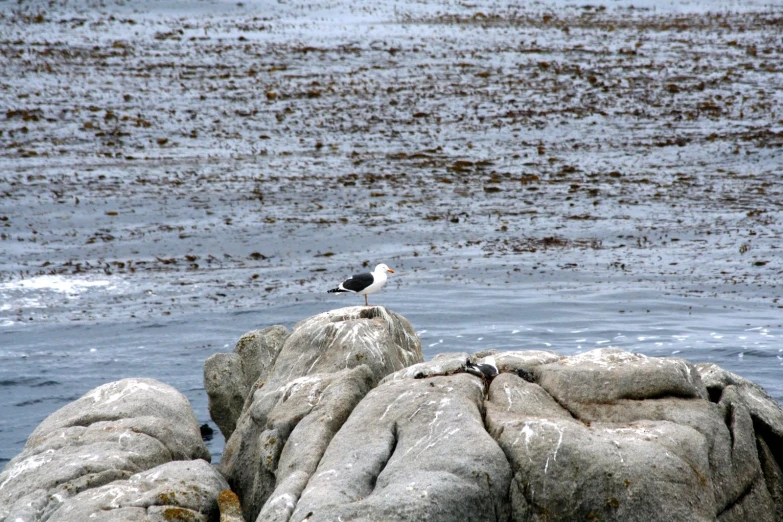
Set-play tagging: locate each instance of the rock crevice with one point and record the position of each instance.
(324, 367)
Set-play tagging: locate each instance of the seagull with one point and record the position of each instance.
(486, 370)
(365, 283)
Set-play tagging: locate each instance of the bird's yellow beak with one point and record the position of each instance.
(390, 271)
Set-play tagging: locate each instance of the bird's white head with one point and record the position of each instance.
(382, 269)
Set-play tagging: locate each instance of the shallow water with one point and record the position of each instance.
(556, 177)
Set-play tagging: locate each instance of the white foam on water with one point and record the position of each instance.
(9, 303)
(55, 283)
(43, 292)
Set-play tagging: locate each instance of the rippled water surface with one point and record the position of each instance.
(559, 176)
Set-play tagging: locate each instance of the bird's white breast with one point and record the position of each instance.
(379, 279)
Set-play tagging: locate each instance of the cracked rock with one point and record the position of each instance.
(414, 449)
(180, 490)
(325, 367)
(106, 437)
(612, 435)
(229, 377)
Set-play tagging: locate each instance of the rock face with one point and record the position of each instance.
(229, 377)
(325, 367)
(180, 490)
(412, 450)
(119, 439)
(611, 435)
(330, 432)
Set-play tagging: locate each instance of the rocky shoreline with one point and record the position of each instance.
(341, 419)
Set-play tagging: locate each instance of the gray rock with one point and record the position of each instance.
(727, 431)
(258, 350)
(525, 360)
(610, 374)
(735, 394)
(612, 435)
(607, 435)
(565, 469)
(180, 490)
(755, 506)
(111, 433)
(773, 476)
(441, 364)
(298, 430)
(762, 407)
(326, 365)
(224, 383)
(412, 450)
(348, 337)
(229, 377)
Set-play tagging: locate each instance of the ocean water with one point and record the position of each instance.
(555, 176)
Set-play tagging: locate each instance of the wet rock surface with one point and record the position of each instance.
(116, 453)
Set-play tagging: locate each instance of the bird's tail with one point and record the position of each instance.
(335, 290)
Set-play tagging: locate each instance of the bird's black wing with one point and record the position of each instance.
(488, 370)
(481, 370)
(358, 282)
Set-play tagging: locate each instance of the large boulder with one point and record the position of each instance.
(613, 435)
(414, 449)
(566, 469)
(180, 490)
(764, 409)
(326, 365)
(609, 374)
(113, 432)
(229, 377)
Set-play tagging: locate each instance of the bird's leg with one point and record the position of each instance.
(366, 302)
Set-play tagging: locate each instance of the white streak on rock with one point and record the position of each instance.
(393, 402)
(314, 363)
(528, 432)
(287, 501)
(293, 366)
(444, 436)
(412, 414)
(28, 464)
(508, 395)
(114, 391)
